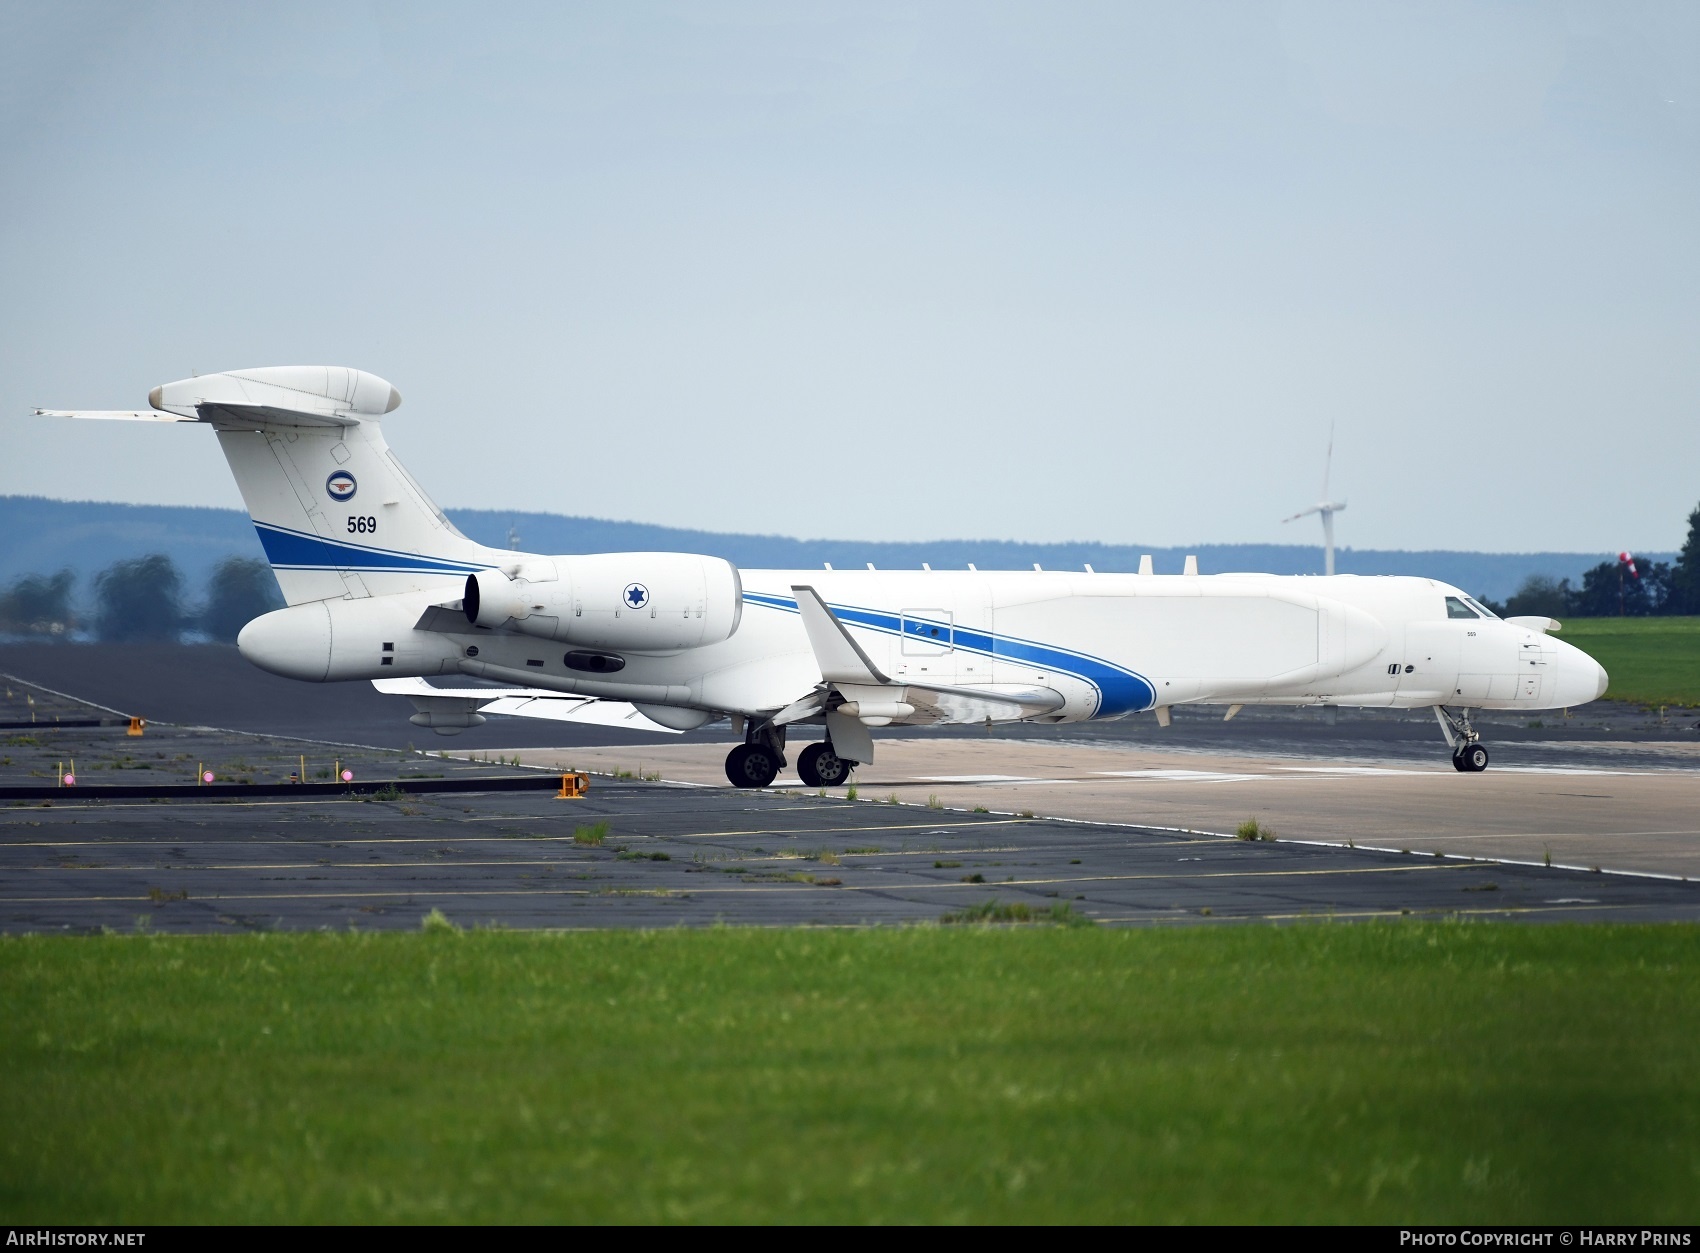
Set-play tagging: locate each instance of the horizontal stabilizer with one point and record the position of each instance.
(524, 702)
(326, 397)
(246, 416)
(114, 415)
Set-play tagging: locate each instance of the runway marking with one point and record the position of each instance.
(1546, 835)
(313, 865)
(941, 826)
(1356, 770)
(1098, 912)
(1577, 770)
(1181, 776)
(977, 778)
(908, 885)
(1331, 915)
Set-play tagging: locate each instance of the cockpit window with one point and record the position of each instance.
(1480, 608)
(1456, 608)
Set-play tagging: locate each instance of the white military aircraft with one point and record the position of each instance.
(381, 586)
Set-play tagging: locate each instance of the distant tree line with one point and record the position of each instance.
(1634, 589)
(141, 598)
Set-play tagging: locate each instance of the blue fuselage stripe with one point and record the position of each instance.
(1120, 690)
(294, 550)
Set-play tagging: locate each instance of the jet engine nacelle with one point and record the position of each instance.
(624, 602)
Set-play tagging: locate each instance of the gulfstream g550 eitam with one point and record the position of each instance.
(381, 586)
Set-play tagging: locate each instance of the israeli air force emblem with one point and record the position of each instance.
(341, 486)
(636, 596)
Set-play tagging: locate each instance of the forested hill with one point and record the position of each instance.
(40, 536)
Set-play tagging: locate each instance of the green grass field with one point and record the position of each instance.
(1326, 1073)
(1655, 661)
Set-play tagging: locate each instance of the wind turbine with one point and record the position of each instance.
(1327, 508)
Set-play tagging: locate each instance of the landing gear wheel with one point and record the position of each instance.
(1471, 759)
(751, 765)
(819, 766)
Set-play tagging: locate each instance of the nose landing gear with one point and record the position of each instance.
(1469, 755)
(1470, 759)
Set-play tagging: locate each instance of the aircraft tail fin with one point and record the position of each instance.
(337, 514)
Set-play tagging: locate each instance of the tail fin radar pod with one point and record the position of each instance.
(381, 586)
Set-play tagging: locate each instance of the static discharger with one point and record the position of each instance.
(573, 786)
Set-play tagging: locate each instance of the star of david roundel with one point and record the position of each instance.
(636, 596)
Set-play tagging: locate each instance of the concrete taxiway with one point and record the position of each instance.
(1120, 829)
(674, 855)
(1642, 815)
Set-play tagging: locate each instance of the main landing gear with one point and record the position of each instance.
(758, 760)
(819, 766)
(1469, 755)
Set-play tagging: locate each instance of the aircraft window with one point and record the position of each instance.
(1480, 608)
(1456, 608)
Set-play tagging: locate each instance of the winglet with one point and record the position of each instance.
(841, 658)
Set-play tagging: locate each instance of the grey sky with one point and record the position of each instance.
(1042, 271)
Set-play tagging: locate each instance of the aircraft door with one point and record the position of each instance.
(1432, 649)
(1487, 663)
(947, 641)
(926, 651)
(1532, 659)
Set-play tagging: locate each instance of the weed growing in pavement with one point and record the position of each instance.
(592, 835)
(1251, 830)
(437, 923)
(990, 912)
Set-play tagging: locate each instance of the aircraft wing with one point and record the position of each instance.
(522, 702)
(841, 658)
(846, 668)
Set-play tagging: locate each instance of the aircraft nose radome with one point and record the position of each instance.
(1580, 678)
